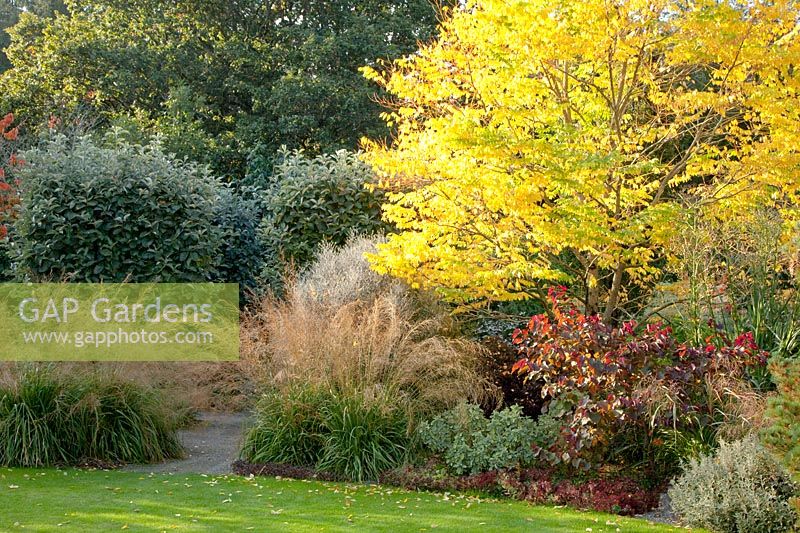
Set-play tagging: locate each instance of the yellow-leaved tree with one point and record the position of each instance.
(547, 141)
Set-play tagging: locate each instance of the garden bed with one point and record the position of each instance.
(616, 495)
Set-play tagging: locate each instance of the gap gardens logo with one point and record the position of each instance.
(119, 322)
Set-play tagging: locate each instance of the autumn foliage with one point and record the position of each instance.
(601, 379)
(620, 495)
(558, 141)
(9, 196)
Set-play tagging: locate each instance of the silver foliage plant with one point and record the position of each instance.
(740, 489)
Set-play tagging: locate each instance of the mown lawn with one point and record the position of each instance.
(77, 500)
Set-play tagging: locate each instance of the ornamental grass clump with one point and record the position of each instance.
(352, 364)
(378, 342)
(47, 418)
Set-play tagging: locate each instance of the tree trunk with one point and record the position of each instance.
(593, 292)
(613, 294)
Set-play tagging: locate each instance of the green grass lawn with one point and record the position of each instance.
(77, 500)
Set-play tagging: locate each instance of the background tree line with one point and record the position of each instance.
(225, 83)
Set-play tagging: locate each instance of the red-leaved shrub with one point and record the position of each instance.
(620, 495)
(9, 187)
(603, 380)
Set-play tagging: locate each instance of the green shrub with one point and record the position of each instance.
(6, 261)
(741, 489)
(441, 432)
(749, 261)
(238, 214)
(128, 212)
(471, 443)
(354, 436)
(324, 199)
(47, 419)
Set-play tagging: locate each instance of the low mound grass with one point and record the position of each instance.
(49, 418)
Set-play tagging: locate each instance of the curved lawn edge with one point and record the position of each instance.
(79, 500)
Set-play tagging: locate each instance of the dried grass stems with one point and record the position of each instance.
(344, 328)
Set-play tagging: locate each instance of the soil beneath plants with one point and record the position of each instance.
(243, 468)
(212, 445)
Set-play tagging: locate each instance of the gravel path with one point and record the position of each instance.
(211, 446)
(663, 514)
